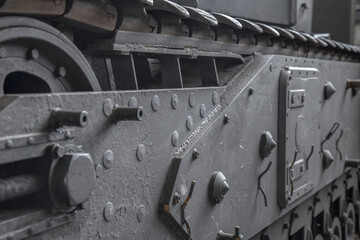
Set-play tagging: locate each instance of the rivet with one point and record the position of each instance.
(203, 110)
(226, 119)
(192, 100)
(60, 71)
(189, 123)
(133, 102)
(58, 151)
(251, 90)
(215, 98)
(68, 134)
(141, 152)
(98, 170)
(141, 213)
(176, 198)
(174, 101)
(9, 143)
(108, 158)
(108, 107)
(195, 154)
(155, 103)
(32, 54)
(175, 138)
(31, 140)
(109, 211)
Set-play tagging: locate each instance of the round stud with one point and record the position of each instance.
(60, 71)
(251, 91)
(175, 138)
(218, 187)
(108, 107)
(141, 213)
(58, 151)
(109, 211)
(189, 123)
(9, 143)
(192, 100)
(203, 110)
(108, 159)
(133, 102)
(98, 170)
(33, 54)
(174, 101)
(215, 98)
(141, 152)
(155, 103)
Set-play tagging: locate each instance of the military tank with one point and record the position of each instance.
(158, 119)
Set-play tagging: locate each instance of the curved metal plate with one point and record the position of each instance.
(202, 16)
(227, 20)
(297, 35)
(269, 30)
(284, 33)
(328, 41)
(310, 38)
(168, 6)
(250, 25)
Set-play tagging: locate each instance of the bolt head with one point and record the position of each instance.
(195, 154)
(58, 151)
(218, 187)
(60, 71)
(203, 110)
(251, 90)
(189, 123)
(79, 177)
(108, 159)
(174, 101)
(109, 212)
(175, 138)
(155, 103)
(33, 54)
(141, 152)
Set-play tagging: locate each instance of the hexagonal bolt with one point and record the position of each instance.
(195, 154)
(226, 119)
(60, 118)
(73, 179)
(251, 91)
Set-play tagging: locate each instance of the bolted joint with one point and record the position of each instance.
(72, 180)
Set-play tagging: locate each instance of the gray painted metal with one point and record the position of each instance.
(127, 193)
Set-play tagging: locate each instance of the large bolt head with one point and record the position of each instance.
(218, 187)
(79, 179)
(267, 144)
